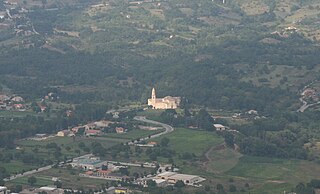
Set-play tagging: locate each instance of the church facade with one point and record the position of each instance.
(167, 102)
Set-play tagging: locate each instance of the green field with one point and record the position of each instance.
(41, 181)
(187, 140)
(69, 146)
(222, 160)
(275, 170)
(16, 167)
(10, 114)
(69, 179)
(263, 168)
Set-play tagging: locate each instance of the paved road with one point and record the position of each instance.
(168, 128)
(305, 105)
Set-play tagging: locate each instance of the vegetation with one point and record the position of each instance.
(232, 57)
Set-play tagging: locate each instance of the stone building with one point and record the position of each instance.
(167, 102)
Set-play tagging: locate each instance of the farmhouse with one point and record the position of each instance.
(167, 102)
(92, 132)
(64, 133)
(219, 127)
(120, 130)
(17, 99)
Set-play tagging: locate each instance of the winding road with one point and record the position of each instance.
(305, 105)
(168, 128)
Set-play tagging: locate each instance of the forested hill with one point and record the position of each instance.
(239, 55)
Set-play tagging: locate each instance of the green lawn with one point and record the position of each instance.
(187, 140)
(263, 168)
(16, 167)
(222, 160)
(41, 181)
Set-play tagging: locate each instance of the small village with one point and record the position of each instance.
(12, 102)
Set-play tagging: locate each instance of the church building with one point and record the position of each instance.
(167, 102)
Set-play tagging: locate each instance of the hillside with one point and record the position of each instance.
(238, 55)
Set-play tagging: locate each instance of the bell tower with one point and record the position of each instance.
(153, 94)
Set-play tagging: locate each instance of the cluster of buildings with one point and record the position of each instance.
(90, 129)
(286, 32)
(109, 170)
(311, 94)
(171, 178)
(12, 102)
(96, 168)
(13, 12)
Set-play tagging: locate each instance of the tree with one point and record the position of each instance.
(164, 142)
(219, 187)
(58, 184)
(32, 180)
(302, 189)
(204, 120)
(229, 139)
(151, 183)
(179, 184)
(232, 188)
(17, 188)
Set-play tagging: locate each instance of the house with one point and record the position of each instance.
(308, 92)
(252, 112)
(219, 127)
(92, 132)
(63, 133)
(121, 190)
(4, 98)
(17, 99)
(43, 108)
(90, 126)
(167, 102)
(41, 135)
(18, 106)
(102, 124)
(76, 129)
(153, 143)
(120, 130)
(161, 182)
(69, 113)
(102, 173)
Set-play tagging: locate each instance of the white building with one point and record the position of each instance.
(173, 177)
(219, 127)
(167, 102)
(3, 190)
